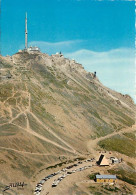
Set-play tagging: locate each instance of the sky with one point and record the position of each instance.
(98, 34)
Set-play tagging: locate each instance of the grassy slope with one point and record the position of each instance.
(116, 143)
(83, 112)
(125, 173)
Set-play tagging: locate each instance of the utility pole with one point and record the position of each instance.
(26, 32)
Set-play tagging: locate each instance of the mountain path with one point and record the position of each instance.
(29, 130)
(54, 134)
(43, 138)
(93, 143)
(38, 120)
(24, 152)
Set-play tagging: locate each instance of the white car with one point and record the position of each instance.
(42, 181)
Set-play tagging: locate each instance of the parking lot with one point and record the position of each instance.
(53, 180)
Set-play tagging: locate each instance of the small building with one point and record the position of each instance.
(102, 161)
(59, 54)
(105, 178)
(115, 161)
(33, 49)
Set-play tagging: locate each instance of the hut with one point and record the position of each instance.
(105, 178)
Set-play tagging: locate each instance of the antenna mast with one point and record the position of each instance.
(26, 32)
(0, 27)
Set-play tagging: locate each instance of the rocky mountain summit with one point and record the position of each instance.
(50, 107)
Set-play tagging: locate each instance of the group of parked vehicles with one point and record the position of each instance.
(56, 182)
(65, 172)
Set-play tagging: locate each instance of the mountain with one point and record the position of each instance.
(50, 110)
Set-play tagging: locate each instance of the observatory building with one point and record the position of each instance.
(31, 48)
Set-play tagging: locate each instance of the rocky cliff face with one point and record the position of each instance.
(50, 105)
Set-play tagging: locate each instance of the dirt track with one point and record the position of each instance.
(92, 144)
(30, 131)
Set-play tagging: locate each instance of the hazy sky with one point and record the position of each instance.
(99, 34)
